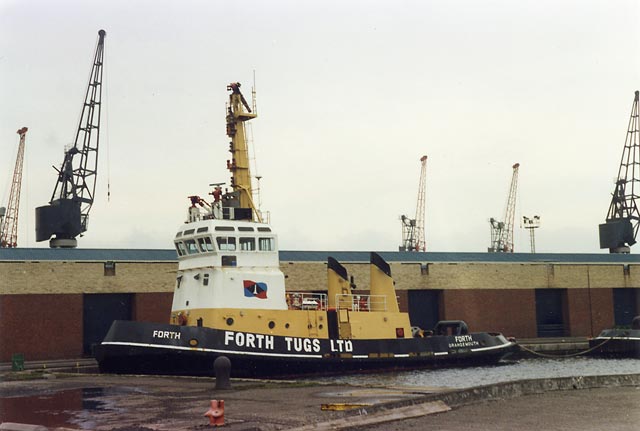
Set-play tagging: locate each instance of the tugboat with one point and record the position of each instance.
(230, 300)
(617, 342)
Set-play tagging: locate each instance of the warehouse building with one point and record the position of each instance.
(58, 303)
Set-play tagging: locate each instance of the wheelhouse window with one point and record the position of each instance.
(205, 244)
(266, 244)
(191, 246)
(226, 243)
(180, 248)
(247, 244)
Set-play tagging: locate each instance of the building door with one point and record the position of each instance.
(625, 306)
(99, 311)
(424, 308)
(549, 312)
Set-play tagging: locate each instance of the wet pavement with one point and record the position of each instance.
(104, 402)
(109, 402)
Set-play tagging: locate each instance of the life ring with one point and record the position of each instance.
(182, 318)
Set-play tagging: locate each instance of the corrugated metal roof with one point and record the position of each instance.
(87, 254)
(403, 256)
(169, 255)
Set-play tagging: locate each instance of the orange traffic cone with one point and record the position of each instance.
(216, 413)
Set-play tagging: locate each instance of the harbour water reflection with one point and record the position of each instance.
(503, 372)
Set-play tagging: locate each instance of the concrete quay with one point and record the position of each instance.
(552, 347)
(63, 401)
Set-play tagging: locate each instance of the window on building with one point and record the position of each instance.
(109, 268)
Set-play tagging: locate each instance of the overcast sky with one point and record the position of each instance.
(350, 95)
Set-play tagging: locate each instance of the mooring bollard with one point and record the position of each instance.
(222, 369)
(216, 413)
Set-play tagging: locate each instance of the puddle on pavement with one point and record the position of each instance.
(73, 407)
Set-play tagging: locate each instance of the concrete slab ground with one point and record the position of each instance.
(142, 403)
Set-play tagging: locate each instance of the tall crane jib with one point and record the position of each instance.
(66, 216)
(620, 229)
(413, 230)
(9, 215)
(502, 231)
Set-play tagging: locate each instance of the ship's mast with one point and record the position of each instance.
(239, 111)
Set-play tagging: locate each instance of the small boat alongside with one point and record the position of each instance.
(230, 300)
(618, 342)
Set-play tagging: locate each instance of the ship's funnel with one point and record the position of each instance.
(338, 283)
(382, 285)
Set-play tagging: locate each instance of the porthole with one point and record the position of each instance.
(193, 342)
(230, 321)
(320, 326)
(272, 324)
(286, 325)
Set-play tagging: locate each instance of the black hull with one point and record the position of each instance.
(619, 343)
(136, 348)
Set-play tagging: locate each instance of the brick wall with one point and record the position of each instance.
(85, 277)
(152, 307)
(512, 312)
(40, 326)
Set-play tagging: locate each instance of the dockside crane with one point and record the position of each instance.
(502, 231)
(413, 236)
(620, 229)
(67, 214)
(9, 215)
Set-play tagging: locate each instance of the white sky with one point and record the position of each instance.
(350, 95)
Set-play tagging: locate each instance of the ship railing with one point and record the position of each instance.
(306, 301)
(361, 302)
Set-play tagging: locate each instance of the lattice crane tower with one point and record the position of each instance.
(502, 231)
(67, 214)
(9, 232)
(620, 230)
(413, 237)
